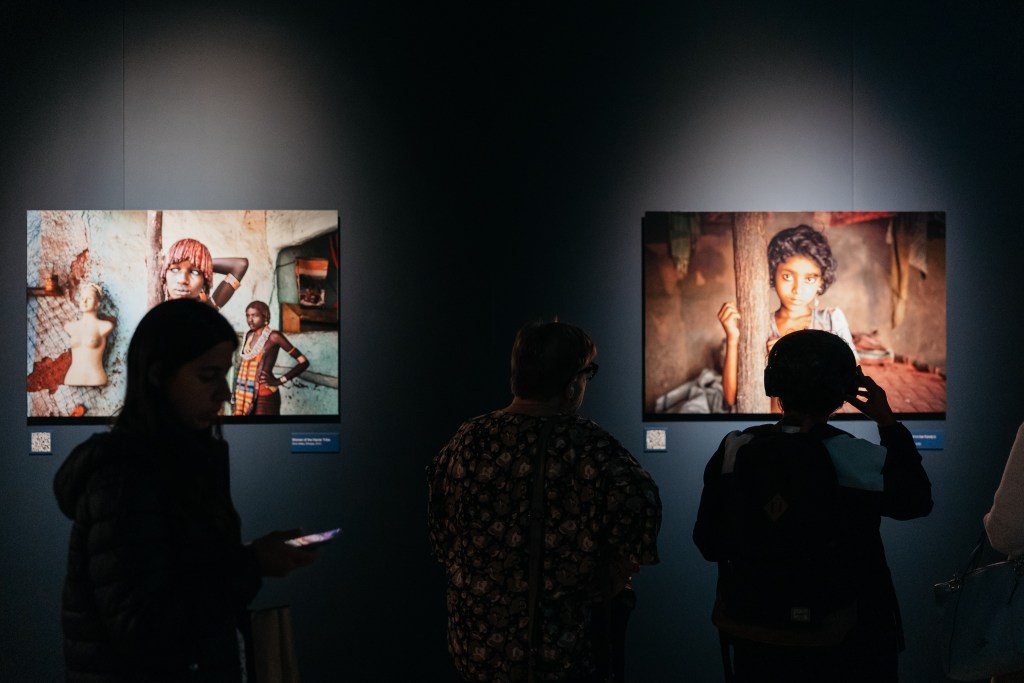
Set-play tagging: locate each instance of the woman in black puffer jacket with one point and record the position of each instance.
(158, 577)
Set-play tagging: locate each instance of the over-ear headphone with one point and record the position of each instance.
(772, 380)
(790, 369)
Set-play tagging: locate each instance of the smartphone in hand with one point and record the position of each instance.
(313, 541)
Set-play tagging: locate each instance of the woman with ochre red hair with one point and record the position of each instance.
(187, 273)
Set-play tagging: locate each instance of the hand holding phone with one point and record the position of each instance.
(276, 557)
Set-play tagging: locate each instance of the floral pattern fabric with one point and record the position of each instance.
(600, 505)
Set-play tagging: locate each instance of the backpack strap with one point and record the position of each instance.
(537, 545)
(732, 444)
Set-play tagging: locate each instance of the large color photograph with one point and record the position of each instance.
(721, 288)
(92, 275)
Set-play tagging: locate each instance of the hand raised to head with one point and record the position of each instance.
(871, 400)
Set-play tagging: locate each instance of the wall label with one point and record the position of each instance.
(929, 441)
(315, 442)
(655, 440)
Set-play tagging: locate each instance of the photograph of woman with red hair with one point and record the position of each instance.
(187, 273)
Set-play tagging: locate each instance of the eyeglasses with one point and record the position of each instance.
(589, 371)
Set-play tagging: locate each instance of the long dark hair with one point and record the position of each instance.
(168, 336)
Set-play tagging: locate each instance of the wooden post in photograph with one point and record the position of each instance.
(154, 241)
(750, 253)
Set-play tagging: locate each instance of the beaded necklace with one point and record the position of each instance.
(257, 346)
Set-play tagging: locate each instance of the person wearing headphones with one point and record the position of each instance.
(859, 636)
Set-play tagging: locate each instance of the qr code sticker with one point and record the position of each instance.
(655, 440)
(41, 442)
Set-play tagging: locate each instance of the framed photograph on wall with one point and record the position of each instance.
(92, 275)
(720, 287)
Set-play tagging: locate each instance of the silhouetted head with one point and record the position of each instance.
(547, 358)
(811, 372)
(177, 363)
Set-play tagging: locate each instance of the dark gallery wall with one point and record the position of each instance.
(491, 163)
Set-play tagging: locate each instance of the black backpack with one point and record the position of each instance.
(782, 564)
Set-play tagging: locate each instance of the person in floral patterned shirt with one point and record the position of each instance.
(601, 516)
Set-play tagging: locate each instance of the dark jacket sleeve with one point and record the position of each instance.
(908, 492)
(167, 587)
(706, 528)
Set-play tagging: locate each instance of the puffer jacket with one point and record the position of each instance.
(157, 576)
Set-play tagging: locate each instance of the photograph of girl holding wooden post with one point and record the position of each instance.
(721, 288)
